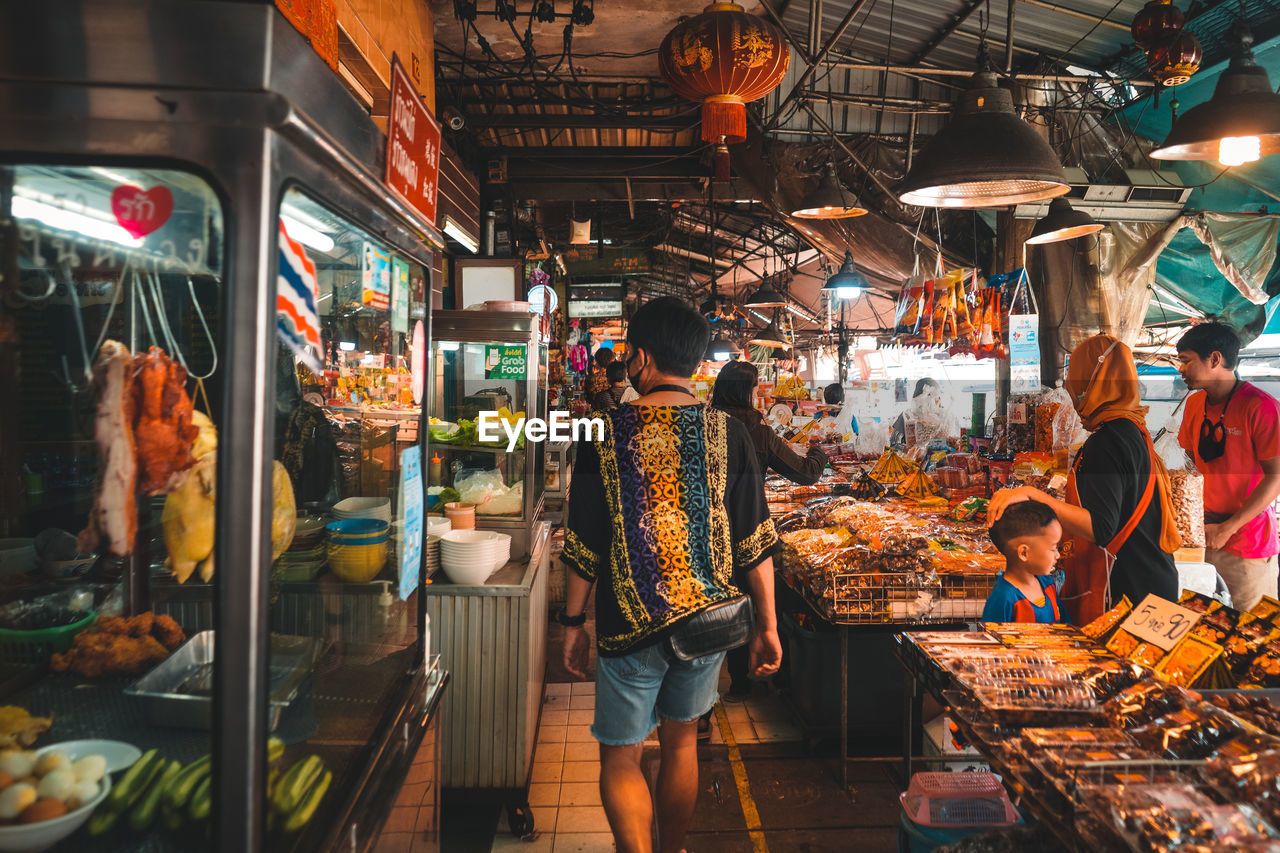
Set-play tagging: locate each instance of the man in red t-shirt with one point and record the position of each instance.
(1232, 431)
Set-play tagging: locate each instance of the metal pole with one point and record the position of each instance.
(1008, 37)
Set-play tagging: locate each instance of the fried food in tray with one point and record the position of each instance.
(1167, 817)
(1106, 678)
(981, 638)
(1192, 733)
(1256, 710)
(1188, 660)
(1122, 643)
(119, 646)
(1264, 670)
(1244, 644)
(1199, 602)
(1047, 738)
(1145, 701)
(1215, 627)
(1052, 704)
(1246, 775)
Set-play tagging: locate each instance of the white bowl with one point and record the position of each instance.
(468, 537)
(119, 755)
(34, 837)
(469, 572)
(17, 556)
(363, 508)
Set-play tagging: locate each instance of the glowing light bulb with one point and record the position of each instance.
(1235, 150)
(848, 292)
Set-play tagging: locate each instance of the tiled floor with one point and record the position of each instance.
(564, 791)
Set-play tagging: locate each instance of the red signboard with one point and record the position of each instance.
(413, 146)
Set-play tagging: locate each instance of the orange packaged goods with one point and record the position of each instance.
(1188, 660)
(1045, 413)
(116, 646)
(952, 478)
(1100, 627)
(965, 327)
(943, 322)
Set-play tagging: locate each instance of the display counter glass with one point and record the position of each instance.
(110, 327)
(344, 591)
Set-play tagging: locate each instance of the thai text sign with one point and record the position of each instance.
(413, 146)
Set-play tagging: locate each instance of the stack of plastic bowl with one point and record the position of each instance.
(471, 556)
(502, 553)
(357, 548)
(305, 556)
(379, 508)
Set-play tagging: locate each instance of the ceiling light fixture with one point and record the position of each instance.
(454, 230)
(765, 297)
(1239, 124)
(1063, 222)
(771, 337)
(829, 199)
(848, 283)
(985, 156)
(306, 235)
(720, 349)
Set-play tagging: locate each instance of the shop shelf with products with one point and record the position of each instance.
(495, 362)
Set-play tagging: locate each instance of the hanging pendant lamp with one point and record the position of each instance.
(985, 156)
(771, 337)
(1063, 222)
(765, 297)
(1239, 124)
(848, 283)
(829, 199)
(720, 349)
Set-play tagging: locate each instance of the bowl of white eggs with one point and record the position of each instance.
(47, 795)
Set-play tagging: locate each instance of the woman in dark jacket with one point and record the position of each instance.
(732, 394)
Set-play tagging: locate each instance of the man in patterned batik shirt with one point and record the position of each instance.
(666, 518)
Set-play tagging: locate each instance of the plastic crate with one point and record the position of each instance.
(970, 799)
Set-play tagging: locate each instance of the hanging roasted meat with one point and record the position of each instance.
(114, 517)
(163, 429)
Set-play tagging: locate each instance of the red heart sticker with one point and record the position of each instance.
(141, 211)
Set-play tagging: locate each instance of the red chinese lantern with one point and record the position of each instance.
(724, 58)
(1173, 61)
(1157, 20)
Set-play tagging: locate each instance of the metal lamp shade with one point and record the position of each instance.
(765, 297)
(984, 157)
(848, 283)
(1243, 106)
(1063, 222)
(720, 349)
(771, 337)
(829, 199)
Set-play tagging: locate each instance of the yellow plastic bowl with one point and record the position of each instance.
(357, 563)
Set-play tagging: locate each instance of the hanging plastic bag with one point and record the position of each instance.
(960, 301)
(1187, 485)
(910, 303)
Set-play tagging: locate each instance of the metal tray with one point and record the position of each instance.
(178, 692)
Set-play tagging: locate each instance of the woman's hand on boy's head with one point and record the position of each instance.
(1006, 498)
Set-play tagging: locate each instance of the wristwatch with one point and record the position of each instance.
(563, 617)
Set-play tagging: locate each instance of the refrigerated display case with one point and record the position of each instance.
(167, 172)
(490, 361)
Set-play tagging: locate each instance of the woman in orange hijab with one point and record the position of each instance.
(1118, 516)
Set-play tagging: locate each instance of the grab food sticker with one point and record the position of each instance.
(504, 361)
(140, 211)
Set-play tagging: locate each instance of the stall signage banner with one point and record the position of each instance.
(504, 361)
(1024, 352)
(413, 146)
(399, 295)
(375, 277)
(411, 501)
(1160, 622)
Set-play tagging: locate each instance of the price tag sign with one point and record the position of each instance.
(1160, 622)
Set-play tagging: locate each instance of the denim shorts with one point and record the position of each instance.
(634, 690)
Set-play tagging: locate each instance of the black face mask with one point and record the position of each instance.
(1213, 436)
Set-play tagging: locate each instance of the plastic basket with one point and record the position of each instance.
(968, 799)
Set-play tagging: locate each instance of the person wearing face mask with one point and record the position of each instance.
(1231, 428)
(666, 520)
(1118, 516)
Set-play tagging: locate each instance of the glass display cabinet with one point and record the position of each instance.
(496, 363)
(207, 357)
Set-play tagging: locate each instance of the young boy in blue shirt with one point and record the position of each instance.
(1027, 534)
